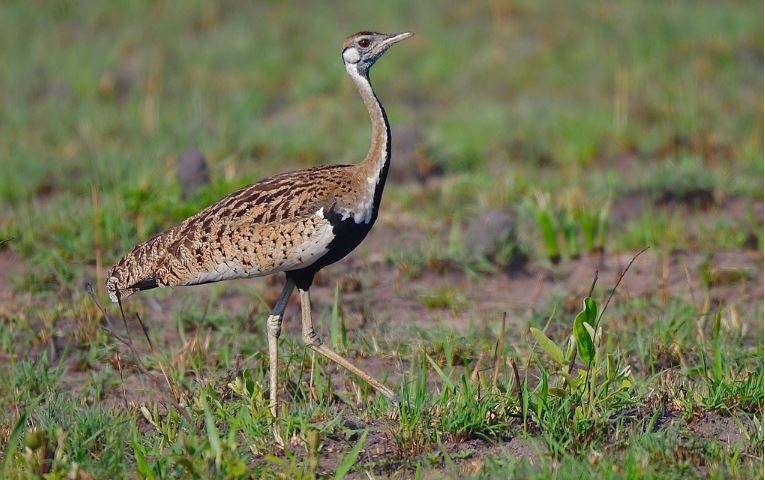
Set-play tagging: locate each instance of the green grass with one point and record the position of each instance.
(648, 115)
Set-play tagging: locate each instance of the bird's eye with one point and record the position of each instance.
(364, 43)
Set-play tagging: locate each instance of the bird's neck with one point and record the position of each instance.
(374, 168)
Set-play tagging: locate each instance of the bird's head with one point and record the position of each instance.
(361, 50)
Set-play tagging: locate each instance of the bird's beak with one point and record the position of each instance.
(394, 39)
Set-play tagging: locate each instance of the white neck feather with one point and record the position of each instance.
(374, 163)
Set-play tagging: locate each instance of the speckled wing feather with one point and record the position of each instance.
(277, 224)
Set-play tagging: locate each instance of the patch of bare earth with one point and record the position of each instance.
(713, 426)
(396, 298)
(381, 455)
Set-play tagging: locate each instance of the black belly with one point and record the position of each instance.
(348, 235)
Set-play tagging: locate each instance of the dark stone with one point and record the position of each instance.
(492, 235)
(192, 172)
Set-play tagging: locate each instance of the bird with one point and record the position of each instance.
(297, 223)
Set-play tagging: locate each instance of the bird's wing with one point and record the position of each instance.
(274, 225)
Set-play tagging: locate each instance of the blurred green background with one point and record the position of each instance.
(591, 100)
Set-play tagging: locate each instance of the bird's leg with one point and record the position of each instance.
(313, 341)
(274, 325)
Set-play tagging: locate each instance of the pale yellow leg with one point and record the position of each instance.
(312, 341)
(274, 325)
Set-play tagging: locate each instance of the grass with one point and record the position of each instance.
(601, 129)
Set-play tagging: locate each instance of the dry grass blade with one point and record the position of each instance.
(122, 381)
(475, 374)
(499, 350)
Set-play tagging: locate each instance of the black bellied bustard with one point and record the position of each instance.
(297, 222)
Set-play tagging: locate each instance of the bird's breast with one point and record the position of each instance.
(348, 231)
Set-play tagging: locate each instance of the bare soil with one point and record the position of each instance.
(712, 425)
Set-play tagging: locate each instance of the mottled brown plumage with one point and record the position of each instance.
(261, 229)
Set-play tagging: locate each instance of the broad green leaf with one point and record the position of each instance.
(591, 311)
(583, 338)
(550, 348)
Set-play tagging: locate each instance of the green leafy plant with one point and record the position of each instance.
(548, 226)
(593, 221)
(570, 229)
(570, 403)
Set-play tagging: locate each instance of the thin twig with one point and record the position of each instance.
(613, 290)
(594, 281)
(518, 386)
(145, 331)
(122, 381)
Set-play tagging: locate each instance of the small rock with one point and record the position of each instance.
(492, 235)
(192, 172)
